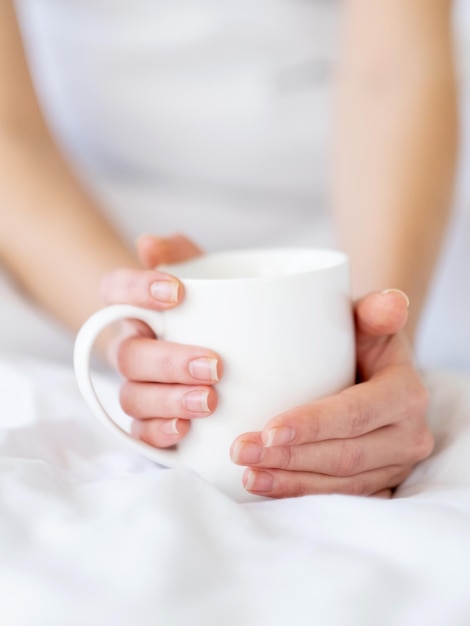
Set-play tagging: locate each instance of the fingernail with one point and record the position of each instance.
(165, 291)
(170, 427)
(399, 291)
(196, 401)
(204, 369)
(245, 453)
(258, 481)
(279, 436)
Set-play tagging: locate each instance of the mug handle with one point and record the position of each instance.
(84, 342)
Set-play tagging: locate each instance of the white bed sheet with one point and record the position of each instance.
(91, 534)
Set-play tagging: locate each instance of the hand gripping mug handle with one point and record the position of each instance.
(84, 342)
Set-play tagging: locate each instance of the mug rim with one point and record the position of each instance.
(326, 259)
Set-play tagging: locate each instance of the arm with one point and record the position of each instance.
(59, 247)
(52, 236)
(396, 143)
(395, 157)
(395, 154)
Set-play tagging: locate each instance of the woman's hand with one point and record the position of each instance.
(362, 441)
(166, 384)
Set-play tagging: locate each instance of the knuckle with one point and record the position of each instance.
(150, 433)
(314, 425)
(133, 287)
(286, 460)
(360, 415)
(126, 399)
(300, 491)
(422, 439)
(129, 288)
(349, 459)
(289, 485)
(424, 445)
(166, 364)
(111, 285)
(400, 476)
(105, 287)
(121, 356)
(298, 488)
(419, 400)
(357, 486)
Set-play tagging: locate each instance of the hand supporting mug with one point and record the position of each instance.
(280, 319)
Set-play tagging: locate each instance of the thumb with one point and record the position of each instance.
(379, 319)
(153, 251)
(380, 315)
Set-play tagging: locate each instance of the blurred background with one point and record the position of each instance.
(180, 104)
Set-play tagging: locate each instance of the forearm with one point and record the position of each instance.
(52, 236)
(396, 144)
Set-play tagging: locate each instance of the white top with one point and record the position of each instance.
(208, 117)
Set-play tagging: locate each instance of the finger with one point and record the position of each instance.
(146, 400)
(121, 331)
(160, 433)
(337, 457)
(381, 314)
(379, 319)
(150, 360)
(283, 484)
(388, 446)
(153, 251)
(388, 398)
(385, 494)
(148, 289)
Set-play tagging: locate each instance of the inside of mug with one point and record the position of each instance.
(256, 263)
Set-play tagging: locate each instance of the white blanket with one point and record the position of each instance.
(91, 534)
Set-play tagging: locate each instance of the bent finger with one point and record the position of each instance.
(153, 251)
(338, 457)
(384, 400)
(148, 289)
(145, 400)
(284, 484)
(160, 433)
(150, 360)
(381, 314)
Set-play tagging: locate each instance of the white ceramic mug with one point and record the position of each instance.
(280, 319)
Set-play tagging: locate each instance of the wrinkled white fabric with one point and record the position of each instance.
(92, 534)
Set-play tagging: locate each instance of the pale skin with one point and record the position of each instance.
(391, 195)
